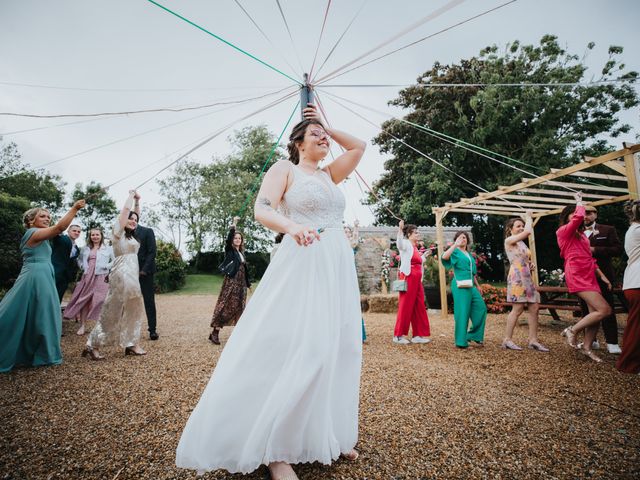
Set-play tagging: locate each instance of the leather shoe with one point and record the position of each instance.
(154, 336)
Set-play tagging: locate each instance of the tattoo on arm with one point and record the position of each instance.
(265, 204)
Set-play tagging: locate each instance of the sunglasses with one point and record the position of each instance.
(319, 134)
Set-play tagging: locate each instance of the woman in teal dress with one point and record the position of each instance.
(467, 300)
(30, 317)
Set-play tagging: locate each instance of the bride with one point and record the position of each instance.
(290, 371)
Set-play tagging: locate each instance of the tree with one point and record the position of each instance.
(20, 189)
(36, 186)
(184, 208)
(232, 183)
(199, 201)
(541, 126)
(100, 211)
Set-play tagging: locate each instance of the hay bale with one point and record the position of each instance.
(383, 303)
(364, 303)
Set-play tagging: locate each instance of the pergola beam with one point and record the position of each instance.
(584, 186)
(603, 176)
(563, 193)
(552, 176)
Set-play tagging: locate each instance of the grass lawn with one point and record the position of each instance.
(203, 284)
(200, 284)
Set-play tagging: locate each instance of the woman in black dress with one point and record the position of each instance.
(233, 294)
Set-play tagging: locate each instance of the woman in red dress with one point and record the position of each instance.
(411, 309)
(580, 270)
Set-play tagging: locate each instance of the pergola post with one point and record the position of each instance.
(632, 168)
(440, 214)
(534, 256)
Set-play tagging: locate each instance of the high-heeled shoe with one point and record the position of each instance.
(131, 351)
(571, 337)
(91, 353)
(591, 355)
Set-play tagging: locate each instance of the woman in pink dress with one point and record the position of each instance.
(580, 270)
(95, 260)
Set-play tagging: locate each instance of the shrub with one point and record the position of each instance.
(492, 296)
(171, 269)
(11, 231)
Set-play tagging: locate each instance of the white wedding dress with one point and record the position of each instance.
(287, 383)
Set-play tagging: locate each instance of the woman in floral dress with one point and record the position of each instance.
(521, 290)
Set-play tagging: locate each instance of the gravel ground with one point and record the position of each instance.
(427, 411)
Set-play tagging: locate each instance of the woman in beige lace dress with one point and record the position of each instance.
(123, 310)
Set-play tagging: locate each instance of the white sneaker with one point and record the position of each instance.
(401, 341)
(420, 340)
(614, 348)
(594, 346)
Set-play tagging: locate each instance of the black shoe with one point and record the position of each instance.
(154, 336)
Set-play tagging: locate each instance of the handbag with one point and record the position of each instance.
(399, 286)
(466, 283)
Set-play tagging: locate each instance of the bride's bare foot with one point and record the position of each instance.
(352, 456)
(80, 330)
(282, 471)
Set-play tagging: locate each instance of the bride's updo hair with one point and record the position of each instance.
(632, 209)
(297, 137)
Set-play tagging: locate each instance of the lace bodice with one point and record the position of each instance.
(313, 200)
(121, 244)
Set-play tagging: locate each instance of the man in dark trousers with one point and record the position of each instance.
(147, 263)
(605, 245)
(64, 257)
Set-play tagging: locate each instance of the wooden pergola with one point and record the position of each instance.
(542, 196)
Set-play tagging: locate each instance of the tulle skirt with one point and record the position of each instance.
(286, 386)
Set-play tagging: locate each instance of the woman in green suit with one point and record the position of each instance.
(30, 318)
(467, 300)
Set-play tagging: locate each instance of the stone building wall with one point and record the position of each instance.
(375, 240)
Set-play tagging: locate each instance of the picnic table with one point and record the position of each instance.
(556, 298)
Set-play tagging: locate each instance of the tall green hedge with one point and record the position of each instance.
(171, 271)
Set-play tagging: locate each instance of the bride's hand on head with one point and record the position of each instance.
(303, 235)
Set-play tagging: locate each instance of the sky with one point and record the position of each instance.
(126, 55)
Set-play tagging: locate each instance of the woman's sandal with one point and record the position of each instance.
(352, 456)
(571, 337)
(92, 354)
(538, 347)
(591, 355)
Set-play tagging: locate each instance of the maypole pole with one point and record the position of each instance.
(306, 94)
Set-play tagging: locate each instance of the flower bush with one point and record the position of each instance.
(386, 264)
(554, 278)
(492, 297)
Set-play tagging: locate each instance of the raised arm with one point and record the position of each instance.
(42, 234)
(572, 226)
(528, 228)
(136, 203)
(126, 209)
(346, 163)
(447, 254)
(270, 195)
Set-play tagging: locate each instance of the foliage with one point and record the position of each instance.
(20, 189)
(201, 200)
(38, 187)
(228, 183)
(542, 127)
(171, 269)
(201, 284)
(100, 211)
(11, 231)
(492, 296)
(554, 278)
(386, 264)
